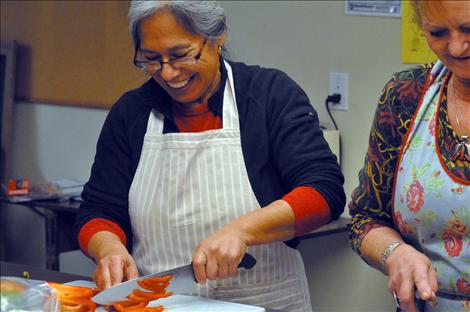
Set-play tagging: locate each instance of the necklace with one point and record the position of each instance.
(461, 151)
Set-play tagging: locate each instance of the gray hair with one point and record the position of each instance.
(204, 18)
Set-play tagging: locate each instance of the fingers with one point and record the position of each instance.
(114, 269)
(212, 267)
(102, 277)
(223, 271)
(218, 256)
(226, 266)
(130, 269)
(199, 266)
(433, 282)
(405, 296)
(409, 271)
(232, 269)
(423, 281)
(433, 278)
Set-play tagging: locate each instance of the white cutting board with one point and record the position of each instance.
(183, 303)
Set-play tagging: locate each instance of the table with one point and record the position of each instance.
(337, 226)
(59, 217)
(36, 273)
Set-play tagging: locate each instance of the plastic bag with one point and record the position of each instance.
(19, 294)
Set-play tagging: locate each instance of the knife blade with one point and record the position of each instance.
(182, 282)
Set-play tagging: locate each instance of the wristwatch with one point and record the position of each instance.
(387, 251)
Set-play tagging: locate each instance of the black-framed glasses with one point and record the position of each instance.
(177, 62)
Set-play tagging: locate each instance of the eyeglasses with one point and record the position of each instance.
(177, 62)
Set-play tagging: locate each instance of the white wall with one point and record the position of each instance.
(52, 142)
(305, 39)
(49, 142)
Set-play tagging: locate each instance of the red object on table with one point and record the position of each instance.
(18, 187)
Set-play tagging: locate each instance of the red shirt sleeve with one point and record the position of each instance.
(98, 225)
(310, 209)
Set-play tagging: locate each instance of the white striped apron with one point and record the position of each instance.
(188, 185)
(431, 207)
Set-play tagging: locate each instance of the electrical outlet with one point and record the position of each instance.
(339, 84)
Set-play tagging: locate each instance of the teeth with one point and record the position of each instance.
(178, 85)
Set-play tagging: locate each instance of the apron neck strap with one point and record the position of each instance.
(230, 110)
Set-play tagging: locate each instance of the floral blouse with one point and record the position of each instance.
(370, 206)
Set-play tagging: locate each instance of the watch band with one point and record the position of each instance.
(387, 251)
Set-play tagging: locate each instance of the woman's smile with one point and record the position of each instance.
(180, 84)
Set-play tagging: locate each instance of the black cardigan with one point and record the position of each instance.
(281, 140)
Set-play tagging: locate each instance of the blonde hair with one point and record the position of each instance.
(432, 9)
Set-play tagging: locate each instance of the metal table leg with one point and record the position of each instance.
(52, 250)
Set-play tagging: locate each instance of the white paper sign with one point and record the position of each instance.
(390, 8)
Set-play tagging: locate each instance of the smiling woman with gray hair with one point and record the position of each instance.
(206, 161)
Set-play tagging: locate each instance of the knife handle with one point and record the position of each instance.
(248, 261)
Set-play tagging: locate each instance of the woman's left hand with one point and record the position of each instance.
(408, 270)
(219, 255)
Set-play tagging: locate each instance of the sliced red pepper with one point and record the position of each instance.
(139, 299)
(155, 283)
(151, 295)
(74, 298)
(73, 290)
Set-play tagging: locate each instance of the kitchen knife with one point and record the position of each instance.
(182, 282)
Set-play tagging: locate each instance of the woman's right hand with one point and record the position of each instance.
(114, 264)
(408, 269)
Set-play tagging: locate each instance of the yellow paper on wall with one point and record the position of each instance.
(414, 48)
